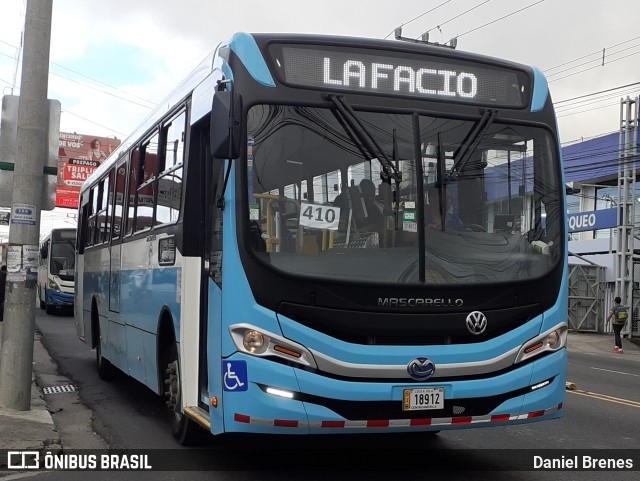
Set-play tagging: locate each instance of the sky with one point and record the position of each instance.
(112, 61)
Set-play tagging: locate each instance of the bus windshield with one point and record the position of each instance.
(485, 194)
(63, 258)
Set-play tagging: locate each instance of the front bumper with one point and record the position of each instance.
(59, 299)
(322, 405)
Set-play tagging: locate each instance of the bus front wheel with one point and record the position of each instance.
(184, 429)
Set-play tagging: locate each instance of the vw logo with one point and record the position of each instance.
(476, 322)
(421, 368)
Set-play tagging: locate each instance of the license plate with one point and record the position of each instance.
(422, 399)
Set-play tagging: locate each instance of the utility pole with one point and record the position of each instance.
(626, 203)
(16, 355)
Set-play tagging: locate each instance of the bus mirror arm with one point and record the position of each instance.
(220, 200)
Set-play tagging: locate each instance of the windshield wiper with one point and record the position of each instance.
(388, 172)
(470, 143)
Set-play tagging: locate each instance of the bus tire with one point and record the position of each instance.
(186, 431)
(106, 370)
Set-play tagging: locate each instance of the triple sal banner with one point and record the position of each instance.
(78, 156)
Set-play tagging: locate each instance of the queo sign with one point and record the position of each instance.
(593, 220)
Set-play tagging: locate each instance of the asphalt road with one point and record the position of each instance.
(602, 414)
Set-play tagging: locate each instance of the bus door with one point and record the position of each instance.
(115, 262)
(210, 367)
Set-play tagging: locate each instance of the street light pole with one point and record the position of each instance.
(16, 355)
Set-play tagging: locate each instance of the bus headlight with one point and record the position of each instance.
(549, 341)
(254, 341)
(259, 342)
(552, 340)
(53, 285)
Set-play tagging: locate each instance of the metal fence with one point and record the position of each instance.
(586, 296)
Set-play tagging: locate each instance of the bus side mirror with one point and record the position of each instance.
(44, 252)
(226, 125)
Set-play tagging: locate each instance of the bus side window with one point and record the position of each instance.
(119, 189)
(134, 169)
(83, 226)
(170, 181)
(93, 211)
(145, 193)
(103, 227)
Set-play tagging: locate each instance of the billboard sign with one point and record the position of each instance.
(78, 156)
(593, 220)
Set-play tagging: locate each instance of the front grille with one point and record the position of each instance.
(406, 329)
(403, 341)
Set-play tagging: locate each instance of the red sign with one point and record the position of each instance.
(79, 155)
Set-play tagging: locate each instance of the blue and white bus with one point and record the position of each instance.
(318, 234)
(56, 270)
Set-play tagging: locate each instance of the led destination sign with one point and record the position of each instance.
(395, 73)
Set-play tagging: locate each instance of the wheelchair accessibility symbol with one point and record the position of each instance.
(234, 375)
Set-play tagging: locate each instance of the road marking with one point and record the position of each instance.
(604, 397)
(616, 372)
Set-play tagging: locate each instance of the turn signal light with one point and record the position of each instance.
(284, 350)
(533, 348)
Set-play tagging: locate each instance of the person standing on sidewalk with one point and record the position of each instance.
(3, 284)
(618, 318)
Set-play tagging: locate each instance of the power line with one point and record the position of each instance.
(419, 16)
(66, 111)
(591, 68)
(601, 61)
(587, 110)
(501, 18)
(99, 90)
(569, 106)
(457, 16)
(153, 104)
(599, 92)
(86, 85)
(599, 52)
(572, 109)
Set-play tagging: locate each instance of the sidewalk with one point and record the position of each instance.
(35, 430)
(601, 344)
